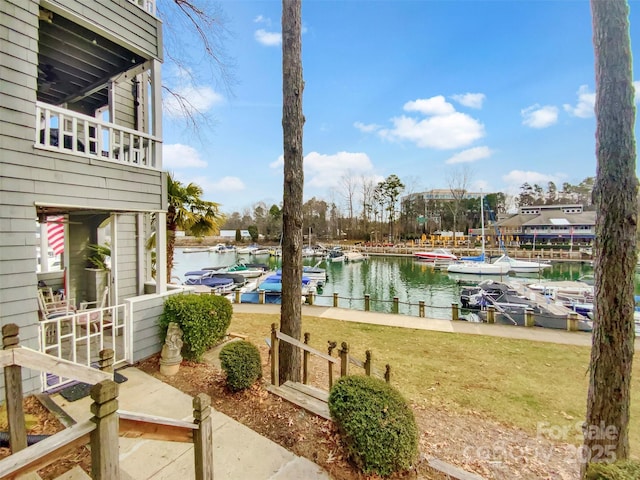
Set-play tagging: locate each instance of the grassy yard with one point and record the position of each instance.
(532, 385)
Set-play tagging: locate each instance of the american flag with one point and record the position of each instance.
(55, 234)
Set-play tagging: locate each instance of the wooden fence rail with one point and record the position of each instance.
(103, 430)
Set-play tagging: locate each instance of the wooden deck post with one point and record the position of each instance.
(421, 308)
(203, 437)
(311, 298)
(261, 297)
(528, 317)
(396, 302)
(367, 302)
(275, 354)
(13, 392)
(305, 360)
(332, 345)
(344, 359)
(454, 311)
(367, 363)
(387, 373)
(238, 296)
(335, 299)
(105, 361)
(104, 439)
(572, 322)
(491, 314)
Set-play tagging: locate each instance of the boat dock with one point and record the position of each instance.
(549, 305)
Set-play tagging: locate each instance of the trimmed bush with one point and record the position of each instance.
(623, 470)
(376, 424)
(204, 320)
(241, 362)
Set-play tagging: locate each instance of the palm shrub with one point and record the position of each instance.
(376, 424)
(241, 362)
(623, 470)
(204, 320)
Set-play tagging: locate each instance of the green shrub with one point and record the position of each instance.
(241, 362)
(204, 320)
(376, 424)
(623, 470)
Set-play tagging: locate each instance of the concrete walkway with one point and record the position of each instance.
(239, 452)
(535, 334)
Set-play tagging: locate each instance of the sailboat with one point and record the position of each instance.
(480, 266)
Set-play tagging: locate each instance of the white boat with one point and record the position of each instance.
(522, 266)
(196, 249)
(565, 290)
(335, 255)
(246, 250)
(439, 254)
(355, 256)
(480, 267)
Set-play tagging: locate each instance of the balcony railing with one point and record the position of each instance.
(70, 132)
(148, 6)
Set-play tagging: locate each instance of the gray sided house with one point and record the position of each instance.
(81, 150)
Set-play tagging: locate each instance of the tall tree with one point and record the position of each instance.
(607, 422)
(458, 182)
(189, 212)
(292, 124)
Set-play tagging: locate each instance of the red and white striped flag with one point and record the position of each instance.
(55, 234)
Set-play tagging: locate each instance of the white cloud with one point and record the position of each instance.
(226, 184)
(324, 171)
(270, 39)
(178, 156)
(196, 99)
(536, 116)
(430, 106)
(471, 100)
(366, 128)
(261, 19)
(442, 132)
(585, 105)
(516, 178)
(470, 155)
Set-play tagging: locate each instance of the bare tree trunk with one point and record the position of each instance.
(292, 122)
(607, 422)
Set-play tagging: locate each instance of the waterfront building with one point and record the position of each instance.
(81, 149)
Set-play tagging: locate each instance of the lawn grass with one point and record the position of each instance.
(531, 385)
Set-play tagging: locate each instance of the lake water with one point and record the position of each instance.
(382, 278)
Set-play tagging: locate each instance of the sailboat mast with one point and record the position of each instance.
(482, 221)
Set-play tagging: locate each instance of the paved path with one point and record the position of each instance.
(239, 453)
(535, 334)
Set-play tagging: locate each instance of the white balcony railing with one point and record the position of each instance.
(148, 6)
(70, 132)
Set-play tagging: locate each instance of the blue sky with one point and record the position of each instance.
(420, 89)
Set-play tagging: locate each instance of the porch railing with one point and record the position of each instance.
(79, 338)
(66, 131)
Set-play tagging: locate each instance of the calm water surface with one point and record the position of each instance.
(382, 278)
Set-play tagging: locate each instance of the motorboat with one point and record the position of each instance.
(196, 249)
(209, 279)
(522, 266)
(318, 275)
(335, 255)
(565, 290)
(511, 306)
(439, 254)
(273, 284)
(478, 268)
(250, 250)
(355, 256)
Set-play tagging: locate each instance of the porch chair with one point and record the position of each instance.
(51, 306)
(90, 317)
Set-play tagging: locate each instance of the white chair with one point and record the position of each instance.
(90, 317)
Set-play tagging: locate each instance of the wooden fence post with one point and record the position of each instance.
(491, 314)
(310, 297)
(13, 392)
(344, 359)
(421, 308)
(528, 317)
(367, 363)
(454, 311)
(572, 322)
(203, 437)
(396, 301)
(104, 439)
(261, 297)
(387, 373)
(305, 360)
(238, 296)
(332, 345)
(367, 302)
(105, 360)
(275, 354)
(335, 299)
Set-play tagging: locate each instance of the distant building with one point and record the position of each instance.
(438, 194)
(230, 235)
(547, 224)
